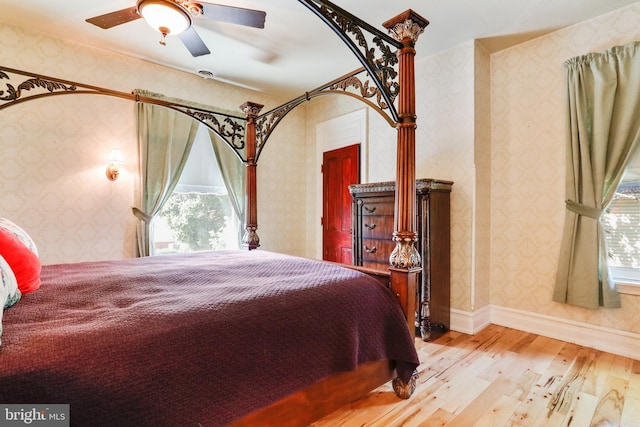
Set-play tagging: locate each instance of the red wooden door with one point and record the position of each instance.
(340, 168)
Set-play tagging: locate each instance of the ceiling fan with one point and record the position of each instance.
(175, 17)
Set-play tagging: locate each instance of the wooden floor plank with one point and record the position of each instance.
(477, 408)
(630, 413)
(634, 386)
(498, 413)
(532, 408)
(598, 371)
(410, 415)
(503, 377)
(523, 384)
(542, 352)
(611, 403)
(439, 418)
(571, 383)
(580, 413)
(622, 367)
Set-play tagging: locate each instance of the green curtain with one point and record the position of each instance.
(233, 173)
(165, 138)
(603, 130)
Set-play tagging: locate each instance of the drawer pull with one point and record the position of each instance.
(370, 250)
(370, 226)
(369, 209)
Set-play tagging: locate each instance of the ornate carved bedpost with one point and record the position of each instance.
(250, 238)
(405, 262)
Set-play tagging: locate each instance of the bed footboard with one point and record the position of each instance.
(402, 389)
(383, 277)
(404, 287)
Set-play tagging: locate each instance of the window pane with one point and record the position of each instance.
(621, 223)
(198, 215)
(195, 222)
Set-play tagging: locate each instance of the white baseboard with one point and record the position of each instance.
(470, 322)
(614, 341)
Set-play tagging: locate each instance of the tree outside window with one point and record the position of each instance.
(198, 220)
(198, 215)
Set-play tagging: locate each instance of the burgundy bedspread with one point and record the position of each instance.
(197, 339)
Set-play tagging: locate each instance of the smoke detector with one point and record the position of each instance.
(206, 74)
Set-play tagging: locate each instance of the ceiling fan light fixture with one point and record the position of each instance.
(164, 16)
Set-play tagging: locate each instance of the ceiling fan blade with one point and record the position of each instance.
(234, 15)
(193, 42)
(112, 19)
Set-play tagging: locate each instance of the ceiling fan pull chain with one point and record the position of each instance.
(163, 38)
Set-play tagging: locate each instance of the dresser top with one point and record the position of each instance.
(422, 186)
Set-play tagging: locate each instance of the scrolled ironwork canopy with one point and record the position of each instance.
(375, 84)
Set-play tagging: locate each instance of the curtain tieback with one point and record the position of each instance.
(141, 215)
(584, 210)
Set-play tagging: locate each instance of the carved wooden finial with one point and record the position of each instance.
(251, 109)
(407, 26)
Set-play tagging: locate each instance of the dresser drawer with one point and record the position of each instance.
(377, 227)
(377, 250)
(377, 206)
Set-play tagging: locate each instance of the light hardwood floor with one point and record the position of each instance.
(506, 377)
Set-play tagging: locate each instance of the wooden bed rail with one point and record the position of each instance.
(322, 398)
(403, 285)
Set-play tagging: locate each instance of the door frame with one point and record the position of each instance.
(338, 132)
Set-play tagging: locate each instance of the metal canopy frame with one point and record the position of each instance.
(376, 80)
(22, 86)
(374, 84)
(387, 76)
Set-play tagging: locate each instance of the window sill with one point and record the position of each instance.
(628, 288)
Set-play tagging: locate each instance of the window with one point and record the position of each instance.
(621, 224)
(198, 215)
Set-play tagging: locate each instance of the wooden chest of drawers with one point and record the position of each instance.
(373, 209)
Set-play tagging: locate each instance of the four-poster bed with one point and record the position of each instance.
(248, 135)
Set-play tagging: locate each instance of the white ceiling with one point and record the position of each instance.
(296, 51)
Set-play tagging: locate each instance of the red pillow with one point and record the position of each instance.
(24, 263)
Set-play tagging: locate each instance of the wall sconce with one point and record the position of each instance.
(115, 159)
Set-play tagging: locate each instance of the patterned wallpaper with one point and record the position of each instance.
(528, 167)
(53, 179)
(54, 151)
(444, 149)
(494, 124)
(481, 229)
(282, 193)
(444, 145)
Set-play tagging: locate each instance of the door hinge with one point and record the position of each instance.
(321, 168)
(322, 221)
